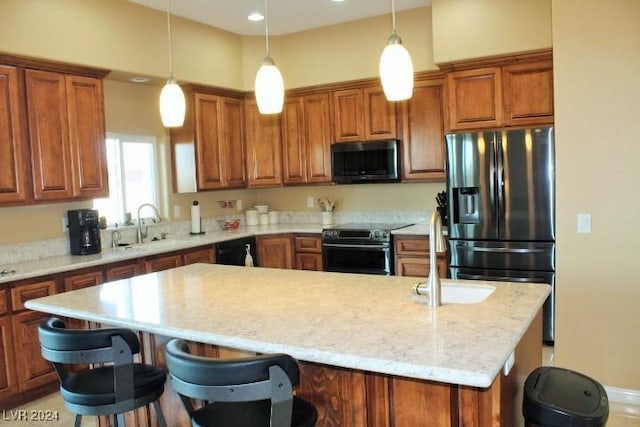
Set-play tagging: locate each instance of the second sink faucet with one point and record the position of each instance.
(436, 245)
(156, 218)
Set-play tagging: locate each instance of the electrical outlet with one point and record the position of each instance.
(584, 223)
(177, 211)
(65, 224)
(239, 205)
(310, 202)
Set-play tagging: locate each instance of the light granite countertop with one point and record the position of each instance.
(348, 320)
(63, 263)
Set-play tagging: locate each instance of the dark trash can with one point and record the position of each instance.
(557, 397)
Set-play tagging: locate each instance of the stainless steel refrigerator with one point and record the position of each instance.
(501, 205)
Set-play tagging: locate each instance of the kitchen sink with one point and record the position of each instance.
(459, 294)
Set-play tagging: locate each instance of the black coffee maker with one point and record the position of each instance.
(84, 233)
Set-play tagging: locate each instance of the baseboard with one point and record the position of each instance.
(627, 398)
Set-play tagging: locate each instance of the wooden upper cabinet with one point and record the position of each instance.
(528, 93)
(379, 115)
(475, 98)
(423, 118)
(85, 102)
(294, 142)
(67, 136)
(348, 113)
(306, 134)
(363, 114)
(264, 142)
(13, 141)
(49, 135)
(208, 150)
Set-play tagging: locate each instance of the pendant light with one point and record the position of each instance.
(396, 68)
(172, 102)
(269, 86)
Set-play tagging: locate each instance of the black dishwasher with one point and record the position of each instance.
(234, 252)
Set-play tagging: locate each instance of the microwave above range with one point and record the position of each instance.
(365, 162)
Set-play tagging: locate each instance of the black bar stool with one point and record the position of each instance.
(557, 397)
(106, 390)
(246, 392)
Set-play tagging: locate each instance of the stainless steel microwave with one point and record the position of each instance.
(365, 162)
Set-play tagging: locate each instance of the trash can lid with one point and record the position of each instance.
(561, 397)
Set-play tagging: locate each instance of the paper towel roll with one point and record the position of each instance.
(195, 218)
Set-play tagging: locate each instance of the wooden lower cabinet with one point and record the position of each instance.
(32, 370)
(412, 257)
(206, 255)
(162, 262)
(275, 251)
(308, 252)
(8, 381)
(124, 270)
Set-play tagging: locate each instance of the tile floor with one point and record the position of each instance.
(619, 415)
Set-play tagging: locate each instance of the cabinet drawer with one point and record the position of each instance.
(416, 267)
(308, 261)
(310, 244)
(416, 246)
(80, 281)
(4, 302)
(123, 271)
(202, 255)
(163, 263)
(23, 293)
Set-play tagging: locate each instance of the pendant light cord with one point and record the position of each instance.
(393, 16)
(169, 36)
(266, 27)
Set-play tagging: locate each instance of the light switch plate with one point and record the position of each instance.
(177, 212)
(239, 204)
(310, 202)
(584, 223)
(65, 224)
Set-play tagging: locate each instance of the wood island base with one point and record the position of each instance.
(354, 398)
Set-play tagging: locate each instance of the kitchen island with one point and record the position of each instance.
(370, 354)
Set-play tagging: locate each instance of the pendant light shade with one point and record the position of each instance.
(269, 86)
(172, 102)
(396, 67)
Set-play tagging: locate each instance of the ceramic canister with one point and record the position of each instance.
(251, 217)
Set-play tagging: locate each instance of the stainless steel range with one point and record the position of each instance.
(359, 248)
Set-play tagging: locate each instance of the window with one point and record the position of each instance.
(131, 162)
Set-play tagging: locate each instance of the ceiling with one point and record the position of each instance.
(285, 16)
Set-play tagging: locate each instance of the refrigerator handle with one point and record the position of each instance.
(501, 250)
(500, 175)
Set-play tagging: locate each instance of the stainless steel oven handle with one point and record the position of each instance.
(503, 250)
(341, 245)
(501, 278)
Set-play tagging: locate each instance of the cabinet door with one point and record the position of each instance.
(528, 93)
(412, 266)
(310, 262)
(263, 147)
(379, 115)
(30, 290)
(85, 280)
(208, 136)
(87, 136)
(49, 135)
(317, 129)
(206, 255)
(475, 98)
(423, 129)
(293, 142)
(348, 110)
(13, 142)
(311, 244)
(8, 382)
(233, 151)
(275, 251)
(32, 370)
(163, 263)
(123, 271)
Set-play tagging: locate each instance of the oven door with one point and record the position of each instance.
(357, 258)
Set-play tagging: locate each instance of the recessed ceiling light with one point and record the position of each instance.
(255, 17)
(337, 1)
(139, 79)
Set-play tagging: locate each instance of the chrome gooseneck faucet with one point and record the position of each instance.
(156, 218)
(436, 245)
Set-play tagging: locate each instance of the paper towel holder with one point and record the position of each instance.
(197, 207)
